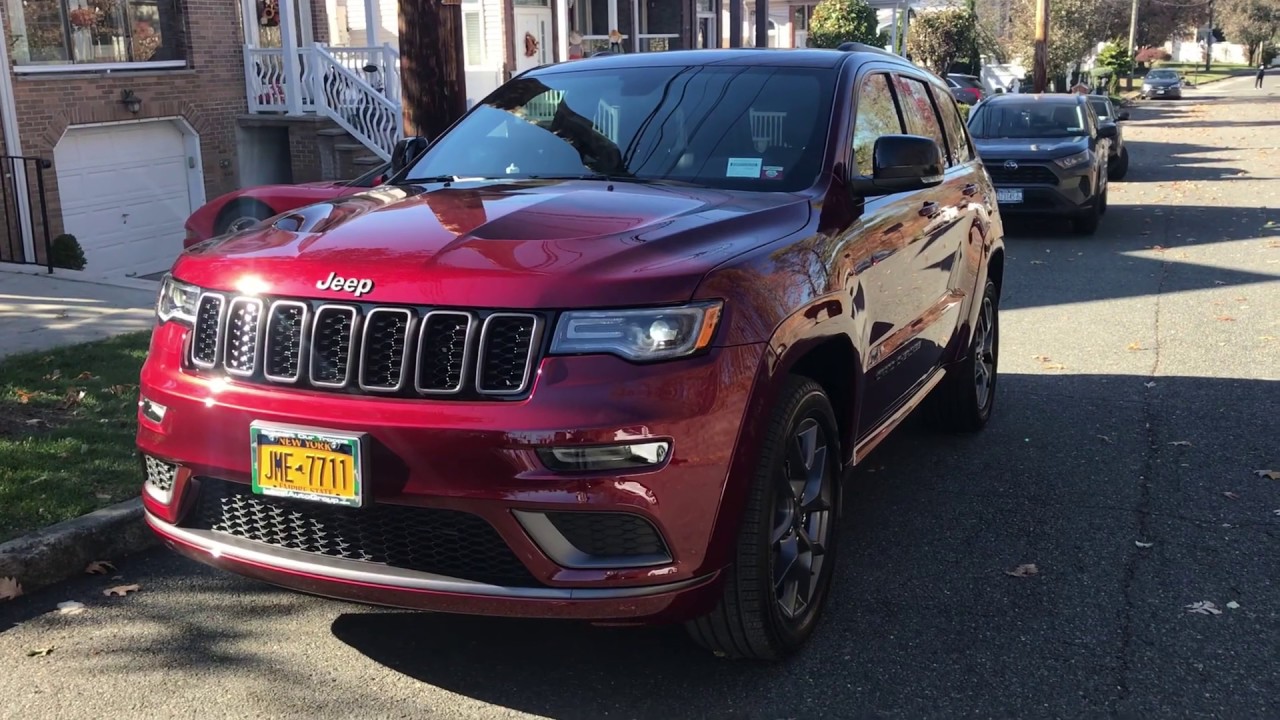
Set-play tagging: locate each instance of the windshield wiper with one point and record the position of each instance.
(447, 179)
(605, 177)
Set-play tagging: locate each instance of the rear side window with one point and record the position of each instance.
(877, 116)
(918, 111)
(956, 140)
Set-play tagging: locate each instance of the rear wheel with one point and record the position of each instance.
(962, 402)
(1120, 167)
(774, 592)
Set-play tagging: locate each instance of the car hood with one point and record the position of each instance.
(515, 245)
(1029, 148)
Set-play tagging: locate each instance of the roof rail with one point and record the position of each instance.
(863, 47)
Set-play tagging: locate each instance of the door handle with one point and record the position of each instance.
(929, 209)
(970, 190)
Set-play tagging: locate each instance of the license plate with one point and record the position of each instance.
(308, 463)
(1009, 196)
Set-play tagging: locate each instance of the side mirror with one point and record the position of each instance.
(1122, 115)
(405, 152)
(1107, 130)
(902, 163)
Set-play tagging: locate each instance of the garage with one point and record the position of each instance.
(126, 191)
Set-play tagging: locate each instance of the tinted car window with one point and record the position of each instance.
(1162, 75)
(877, 115)
(956, 140)
(1101, 108)
(750, 128)
(1030, 119)
(918, 111)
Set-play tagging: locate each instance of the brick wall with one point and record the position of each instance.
(209, 94)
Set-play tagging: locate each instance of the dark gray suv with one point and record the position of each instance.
(1046, 154)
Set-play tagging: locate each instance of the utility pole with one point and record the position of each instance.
(1041, 78)
(762, 23)
(1208, 41)
(1133, 40)
(431, 66)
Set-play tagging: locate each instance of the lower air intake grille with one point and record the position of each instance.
(609, 534)
(444, 542)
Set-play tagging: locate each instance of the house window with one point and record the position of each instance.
(78, 32)
(472, 35)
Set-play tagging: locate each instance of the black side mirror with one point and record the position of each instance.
(902, 163)
(405, 152)
(1122, 115)
(1107, 130)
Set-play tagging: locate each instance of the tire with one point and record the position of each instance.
(241, 214)
(1121, 166)
(1086, 223)
(963, 401)
(753, 619)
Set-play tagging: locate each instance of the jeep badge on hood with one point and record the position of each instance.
(357, 286)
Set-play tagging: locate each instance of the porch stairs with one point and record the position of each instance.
(356, 88)
(342, 156)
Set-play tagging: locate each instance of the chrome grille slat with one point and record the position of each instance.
(384, 349)
(367, 349)
(242, 336)
(332, 335)
(444, 352)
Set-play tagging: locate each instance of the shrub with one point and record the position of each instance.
(1149, 55)
(841, 21)
(65, 252)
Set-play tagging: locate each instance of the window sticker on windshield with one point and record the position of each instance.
(743, 167)
(772, 172)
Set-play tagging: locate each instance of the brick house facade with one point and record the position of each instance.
(68, 100)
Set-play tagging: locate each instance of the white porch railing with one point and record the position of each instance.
(357, 88)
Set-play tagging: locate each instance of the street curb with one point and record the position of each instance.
(63, 550)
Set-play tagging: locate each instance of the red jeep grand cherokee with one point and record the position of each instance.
(604, 350)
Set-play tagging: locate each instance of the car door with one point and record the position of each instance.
(915, 289)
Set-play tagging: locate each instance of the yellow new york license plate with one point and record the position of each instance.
(308, 463)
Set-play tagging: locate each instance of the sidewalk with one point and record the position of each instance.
(39, 312)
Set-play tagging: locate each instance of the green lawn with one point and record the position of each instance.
(1195, 73)
(67, 424)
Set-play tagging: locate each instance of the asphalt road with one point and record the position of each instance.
(1139, 386)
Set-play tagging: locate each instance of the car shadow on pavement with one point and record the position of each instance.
(925, 620)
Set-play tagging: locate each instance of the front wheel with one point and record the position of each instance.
(774, 592)
(1121, 166)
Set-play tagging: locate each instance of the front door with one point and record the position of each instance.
(532, 37)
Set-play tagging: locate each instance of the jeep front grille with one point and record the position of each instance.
(359, 348)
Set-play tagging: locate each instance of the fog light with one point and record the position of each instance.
(152, 410)
(606, 457)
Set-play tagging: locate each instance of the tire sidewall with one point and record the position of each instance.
(984, 413)
(790, 634)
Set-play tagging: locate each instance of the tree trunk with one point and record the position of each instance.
(431, 66)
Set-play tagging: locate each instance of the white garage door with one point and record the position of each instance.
(124, 194)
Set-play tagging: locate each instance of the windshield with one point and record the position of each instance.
(1028, 120)
(750, 128)
(1162, 75)
(1101, 110)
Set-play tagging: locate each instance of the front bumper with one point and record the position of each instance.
(472, 459)
(1046, 189)
(1174, 93)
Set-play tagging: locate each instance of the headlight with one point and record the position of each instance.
(1146, 86)
(1071, 161)
(177, 301)
(641, 335)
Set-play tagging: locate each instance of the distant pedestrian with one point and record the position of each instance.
(1262, 70)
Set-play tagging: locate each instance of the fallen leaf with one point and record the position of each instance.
(1135, 345)
(1233, 605)
(1231, 495)
(1150, 384)
(72, 398)
(70, 607)
(1204, 607)
(100, 567)
(39, 652)
(53, 375)
(1219, 282)
(1055, 366)
(1182, 443)
(1225, 318)
(36, 422)
(1143, 545)
(1022, 571)
(1041, 358)
(121, 590)
(1037, 262)
(1268, 474)
(86, 375)
(1105, 439)
(24, 397)
(9, 588)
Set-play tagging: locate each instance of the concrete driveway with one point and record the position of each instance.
(39, 311)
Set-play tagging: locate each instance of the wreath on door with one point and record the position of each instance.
(530, 45)
(269, 13)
